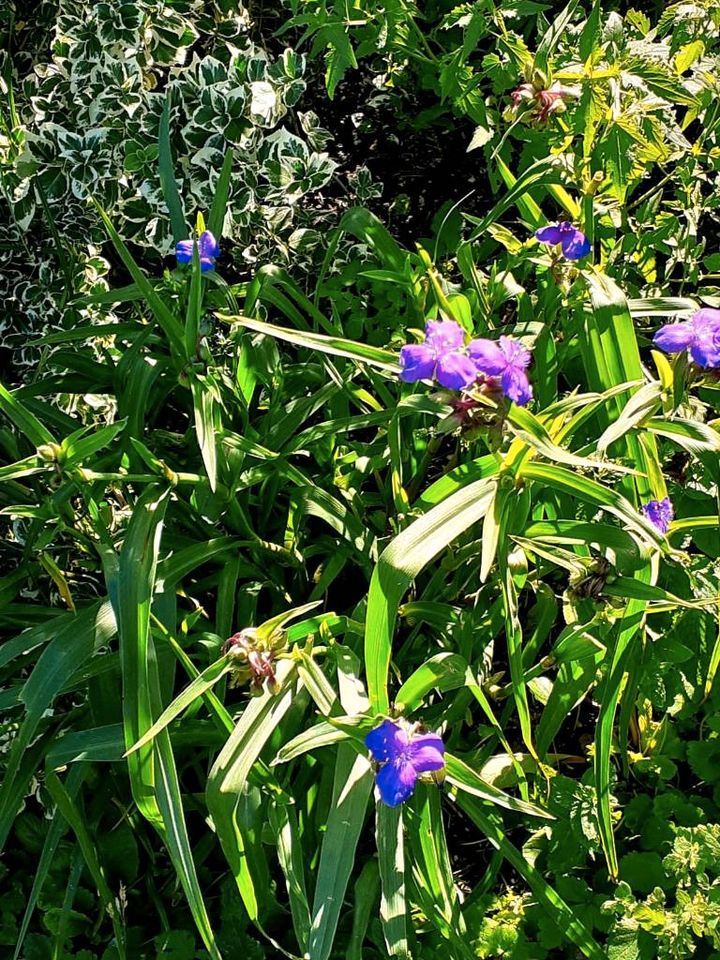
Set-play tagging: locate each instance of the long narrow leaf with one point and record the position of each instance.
(391, 861)
(400, 563)
(153, 776)
(200, 685)
(336, 346)
(216, 217)
(67, 807)
(25, 421)
(229, 776)
(163, 315)
(166, 171)
(351, 792)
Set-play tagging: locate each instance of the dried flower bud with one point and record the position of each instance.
(254, 655)
(523, 94)
(538, 100)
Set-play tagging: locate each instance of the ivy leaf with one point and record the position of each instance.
(704, 759)
(643, 871)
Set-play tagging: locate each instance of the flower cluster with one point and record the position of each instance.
(659, 513)
(402, 754)
(700, 335)
(208, 249)
(539, 101)
(445, 357)
(253, 658)
(573, 242)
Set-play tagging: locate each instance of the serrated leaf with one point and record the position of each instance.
(617, 146)
(688, 54)
(659, 80)
(480, 137)
(339, 55)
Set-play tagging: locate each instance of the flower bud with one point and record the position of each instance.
(517, 563)
(49, 452)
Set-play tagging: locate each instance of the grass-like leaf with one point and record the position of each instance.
(460, 775)
(166, 171)
(216, 217)
(152, 768)
(25, 421)
(163, 315)
(74, 817)
(444, 671)
(348, 810)
(400, 563)
(229, 776)
(200, 685)
(335, 346)
(391, 861)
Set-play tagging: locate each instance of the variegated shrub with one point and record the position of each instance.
(85, 124)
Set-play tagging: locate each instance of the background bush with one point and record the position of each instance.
(83, 116)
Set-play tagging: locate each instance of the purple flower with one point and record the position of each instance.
(507, 360)
(208, 248)
(574, 243)
(441, 355)
(700, 335)
(659, 513)
(402, 757)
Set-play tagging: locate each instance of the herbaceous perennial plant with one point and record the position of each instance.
(468, 701)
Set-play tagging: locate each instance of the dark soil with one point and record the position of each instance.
(422, 167)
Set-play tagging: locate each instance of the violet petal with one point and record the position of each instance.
(487, 357)
(455, 371)
(387, 741)
(396, 782)
(705, 348)
(208, 245)
(675, 337)
(444, 335)
(552, 234)
(426, 752)
(659, 513)
(516, 385)
(575, 246)
(515, 352)
(184, 251)
(417, 362)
